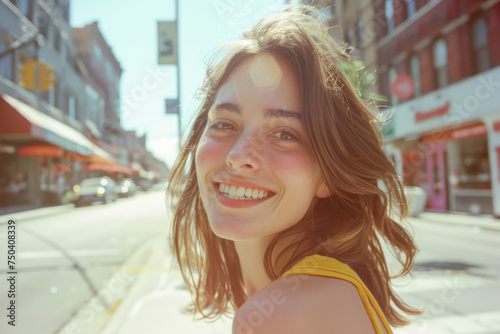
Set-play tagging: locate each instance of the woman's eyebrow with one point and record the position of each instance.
(270, 113)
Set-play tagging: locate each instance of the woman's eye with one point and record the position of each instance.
(222, 126)
(285, 135)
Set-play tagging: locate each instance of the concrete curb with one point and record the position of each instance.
(457, 219)
(22, 216)
(147, 278)
(105, 310)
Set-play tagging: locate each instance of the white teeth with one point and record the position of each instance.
(241, 193)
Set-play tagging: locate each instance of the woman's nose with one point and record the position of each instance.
(245, 153)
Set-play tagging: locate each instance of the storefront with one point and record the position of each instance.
(41, 156)
(448, 143)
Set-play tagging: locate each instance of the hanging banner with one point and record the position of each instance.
(167, 43)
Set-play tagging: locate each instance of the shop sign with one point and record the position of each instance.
(498, 157)
(424, 115)
(172, 106)
(167, 43)
(496, 126)
(471, 131)
(403, 87)
(456, 134)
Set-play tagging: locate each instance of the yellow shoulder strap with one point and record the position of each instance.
(319, 265)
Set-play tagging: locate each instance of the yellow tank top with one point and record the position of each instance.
(319, 265)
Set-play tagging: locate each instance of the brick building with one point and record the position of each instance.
(102, 74)
(440, 63)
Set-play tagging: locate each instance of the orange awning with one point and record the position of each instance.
(109, 168)
(40, 151)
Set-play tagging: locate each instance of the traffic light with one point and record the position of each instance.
(46, 77)
(33, 70)
(27, 74)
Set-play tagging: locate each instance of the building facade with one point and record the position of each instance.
(59, 110)
(439, 61)
(103, 75)
(41, 132)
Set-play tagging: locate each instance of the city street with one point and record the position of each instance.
(63, 259)
(456, 279)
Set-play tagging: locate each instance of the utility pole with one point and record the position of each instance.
(178, 74)
(168, 54)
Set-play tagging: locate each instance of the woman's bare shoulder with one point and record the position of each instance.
(304, 304)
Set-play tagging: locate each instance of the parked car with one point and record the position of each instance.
(95, 189)
(160, 185)
(126, 188)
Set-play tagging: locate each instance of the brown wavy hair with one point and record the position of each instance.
(344, 136)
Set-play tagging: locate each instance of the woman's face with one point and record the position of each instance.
(256, 173)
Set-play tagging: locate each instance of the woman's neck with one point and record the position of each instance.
(251, 255)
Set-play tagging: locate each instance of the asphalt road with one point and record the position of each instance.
(63, 259)
(456, 279)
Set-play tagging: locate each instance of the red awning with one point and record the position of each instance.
(40, 151)
(20, 120)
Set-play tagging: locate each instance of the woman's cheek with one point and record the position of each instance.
(209, 152)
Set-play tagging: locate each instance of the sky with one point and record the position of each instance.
(129, 27)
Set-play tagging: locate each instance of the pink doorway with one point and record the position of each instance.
(436, 176)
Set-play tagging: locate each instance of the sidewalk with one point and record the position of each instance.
(22, 216)
(155, 302)
(147, 294)
(463, 219)
(152, 303)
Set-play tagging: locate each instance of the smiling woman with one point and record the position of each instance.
(280, 216)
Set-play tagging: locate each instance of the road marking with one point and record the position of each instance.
(437, 282)
(74, 253)
(472, 323)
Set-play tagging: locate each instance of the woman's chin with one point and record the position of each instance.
(231, 230)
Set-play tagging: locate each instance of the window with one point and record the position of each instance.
(56, 90)
(440, 60)
(64, 50)
(109, 72)
(359, 34)
(480, 45)
(410, 8)
(5, 63)
(389, 14)
(25, 6)
(97, 53)
(393, 73)
(71, 106)
(415, 74)
(350, 37)
(57, 41)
